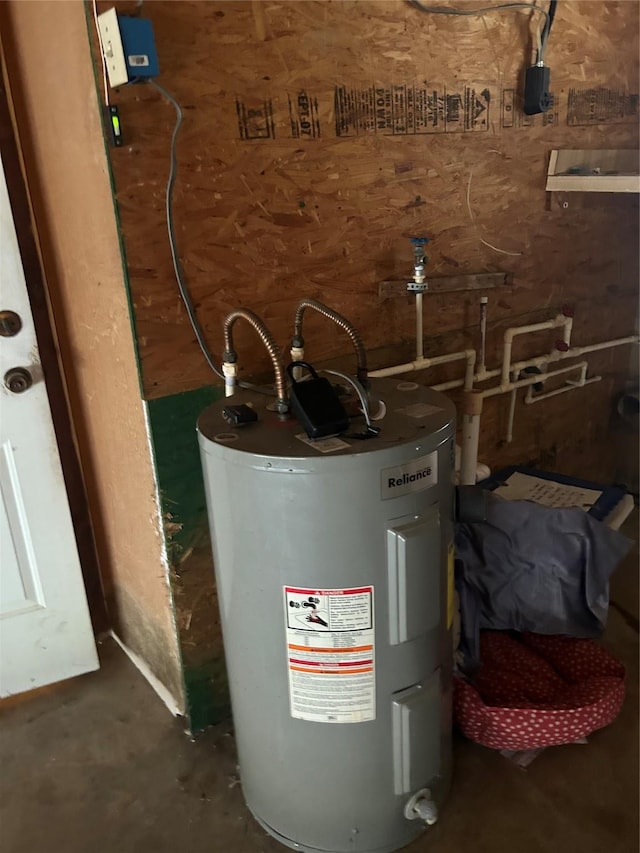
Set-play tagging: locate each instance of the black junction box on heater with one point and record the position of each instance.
(316, 404)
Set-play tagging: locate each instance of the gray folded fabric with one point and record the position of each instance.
(534, 568)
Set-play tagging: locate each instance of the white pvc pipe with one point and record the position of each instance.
(469, 369)
(541, 360)
(566, 333)
(524, 383)
(470, 441)
(448, 386)
(574, 352)
(512, 415)
(470, 451)
(484, 301)
(617, 342)
(511, 333)
(423, 363)
(570, 386)
(408, 367)
(419, 328)
(471, 422)
(471, 415)
(582, 366)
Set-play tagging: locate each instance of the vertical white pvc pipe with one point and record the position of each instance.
(512, 414)
(506, 356)
(419, 327)
(470, 437)
(484, 301)
(469, 369)
(512, 407)
(470, 440)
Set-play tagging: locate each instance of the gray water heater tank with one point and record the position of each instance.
(334, 567)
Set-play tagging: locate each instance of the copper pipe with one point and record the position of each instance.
(341, 321)
(267, 339)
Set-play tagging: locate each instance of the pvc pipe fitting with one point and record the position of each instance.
(424, 363)
(472, 408)
(511, 333)
(230, 372)
(472, 403)
(297, 354)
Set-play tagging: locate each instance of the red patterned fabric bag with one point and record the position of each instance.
(534, 691)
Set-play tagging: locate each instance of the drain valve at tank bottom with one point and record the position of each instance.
(422, 807)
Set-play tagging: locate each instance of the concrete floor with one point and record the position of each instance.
(97, 765)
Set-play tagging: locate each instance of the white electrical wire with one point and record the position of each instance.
(540, 46)
(102, 59)
(475, 225)
(546, 31)
(359, 391)
(445, 10)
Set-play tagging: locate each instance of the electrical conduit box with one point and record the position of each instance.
(128, 47)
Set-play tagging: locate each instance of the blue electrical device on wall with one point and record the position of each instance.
(128, 48)
(129, 55)
(139, 46)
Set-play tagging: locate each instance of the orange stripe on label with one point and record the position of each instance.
(331, 651)
(330, 671)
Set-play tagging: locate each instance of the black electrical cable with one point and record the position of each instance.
(446, 10)
(547, 26)
(549, 22)
(177, 266)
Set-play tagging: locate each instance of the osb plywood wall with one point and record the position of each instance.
(318, 137)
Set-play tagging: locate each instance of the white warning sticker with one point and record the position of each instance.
(324, 445)
(330, 654)
(419, 410)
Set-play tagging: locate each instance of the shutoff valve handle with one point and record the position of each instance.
(420, 260)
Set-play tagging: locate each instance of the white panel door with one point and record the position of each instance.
(45, 629)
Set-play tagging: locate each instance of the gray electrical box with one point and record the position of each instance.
(334, 566)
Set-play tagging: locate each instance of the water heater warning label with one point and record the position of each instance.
(330, 653)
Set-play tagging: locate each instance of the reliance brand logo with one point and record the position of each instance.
(409, 478)
(414, 476)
